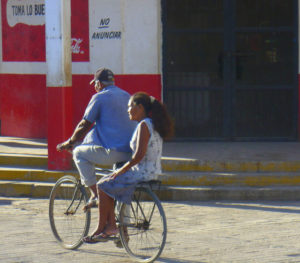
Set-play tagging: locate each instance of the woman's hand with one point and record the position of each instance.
(115, 174)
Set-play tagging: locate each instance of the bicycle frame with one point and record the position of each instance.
(78, 185)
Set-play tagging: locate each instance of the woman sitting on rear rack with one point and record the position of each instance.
(154, 125)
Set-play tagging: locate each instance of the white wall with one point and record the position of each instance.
(138, 21)
(136, 50)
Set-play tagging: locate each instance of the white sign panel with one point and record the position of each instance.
(29, 12)
(106, 34)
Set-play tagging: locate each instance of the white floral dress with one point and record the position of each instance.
(147, 169)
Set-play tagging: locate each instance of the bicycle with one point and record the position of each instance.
(142, 225)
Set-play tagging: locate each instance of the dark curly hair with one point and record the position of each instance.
(157, 111)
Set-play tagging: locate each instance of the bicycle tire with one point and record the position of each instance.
(69, 223)
(143, 233)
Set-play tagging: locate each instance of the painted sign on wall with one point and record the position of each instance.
(106, 33)
(23, 30)
(80, 30)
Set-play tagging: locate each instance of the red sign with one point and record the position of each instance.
(80, 30)
(23, 30)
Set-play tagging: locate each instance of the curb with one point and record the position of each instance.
(31, 174)
(249, 179)
(182, 164)
(170, 193)
(25, 189)
(172, 164)
(230, 193)
(201, 179)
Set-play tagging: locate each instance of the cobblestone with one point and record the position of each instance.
(197, 232)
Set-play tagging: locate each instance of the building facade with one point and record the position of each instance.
(227, 69)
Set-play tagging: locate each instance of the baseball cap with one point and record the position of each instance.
(103, 74)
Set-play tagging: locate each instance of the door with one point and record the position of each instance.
(230, 68)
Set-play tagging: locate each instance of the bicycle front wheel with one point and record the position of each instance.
(143, 226)
(69, 223)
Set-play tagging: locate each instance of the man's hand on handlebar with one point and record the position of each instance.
(65, 146)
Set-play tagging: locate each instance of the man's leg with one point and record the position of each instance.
(87, 156)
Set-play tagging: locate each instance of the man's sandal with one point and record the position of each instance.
(93, 202)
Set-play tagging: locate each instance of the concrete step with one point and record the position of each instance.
(25, 189)
(30, 160)
(169, 193)
(31, 174)
(172, 164)
(249, 179)
(278, 193)
(186, 164)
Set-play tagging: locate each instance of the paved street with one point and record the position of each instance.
(197, 232)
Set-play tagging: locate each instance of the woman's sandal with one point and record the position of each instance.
(90, 239)
(93, 202)
(102, 237)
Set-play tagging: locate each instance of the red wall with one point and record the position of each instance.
(23, 105)
(23, 100)
(82, 91)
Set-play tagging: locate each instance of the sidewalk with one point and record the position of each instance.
(212, 151)
(234, 151)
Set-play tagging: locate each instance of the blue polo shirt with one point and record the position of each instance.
(108, 110)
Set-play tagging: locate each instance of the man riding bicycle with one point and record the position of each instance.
(106, 129)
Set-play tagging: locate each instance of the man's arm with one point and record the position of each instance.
(80, 131)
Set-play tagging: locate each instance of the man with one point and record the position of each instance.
(108, 140)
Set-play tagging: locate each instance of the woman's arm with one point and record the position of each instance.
(143, 136)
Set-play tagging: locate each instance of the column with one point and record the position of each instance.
(59, 80)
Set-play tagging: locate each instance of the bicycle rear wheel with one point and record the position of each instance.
(143, 227)
(68, 221)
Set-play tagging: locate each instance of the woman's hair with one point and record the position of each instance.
(157, 111)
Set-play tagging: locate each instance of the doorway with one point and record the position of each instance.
(230, 68)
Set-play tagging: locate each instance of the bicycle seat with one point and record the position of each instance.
(151, 183)
(118, 165)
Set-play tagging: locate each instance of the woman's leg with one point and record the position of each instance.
(107, 221)
(106, 217)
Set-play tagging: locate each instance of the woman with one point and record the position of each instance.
(154, 125)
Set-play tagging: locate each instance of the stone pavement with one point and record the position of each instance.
(197, 232)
